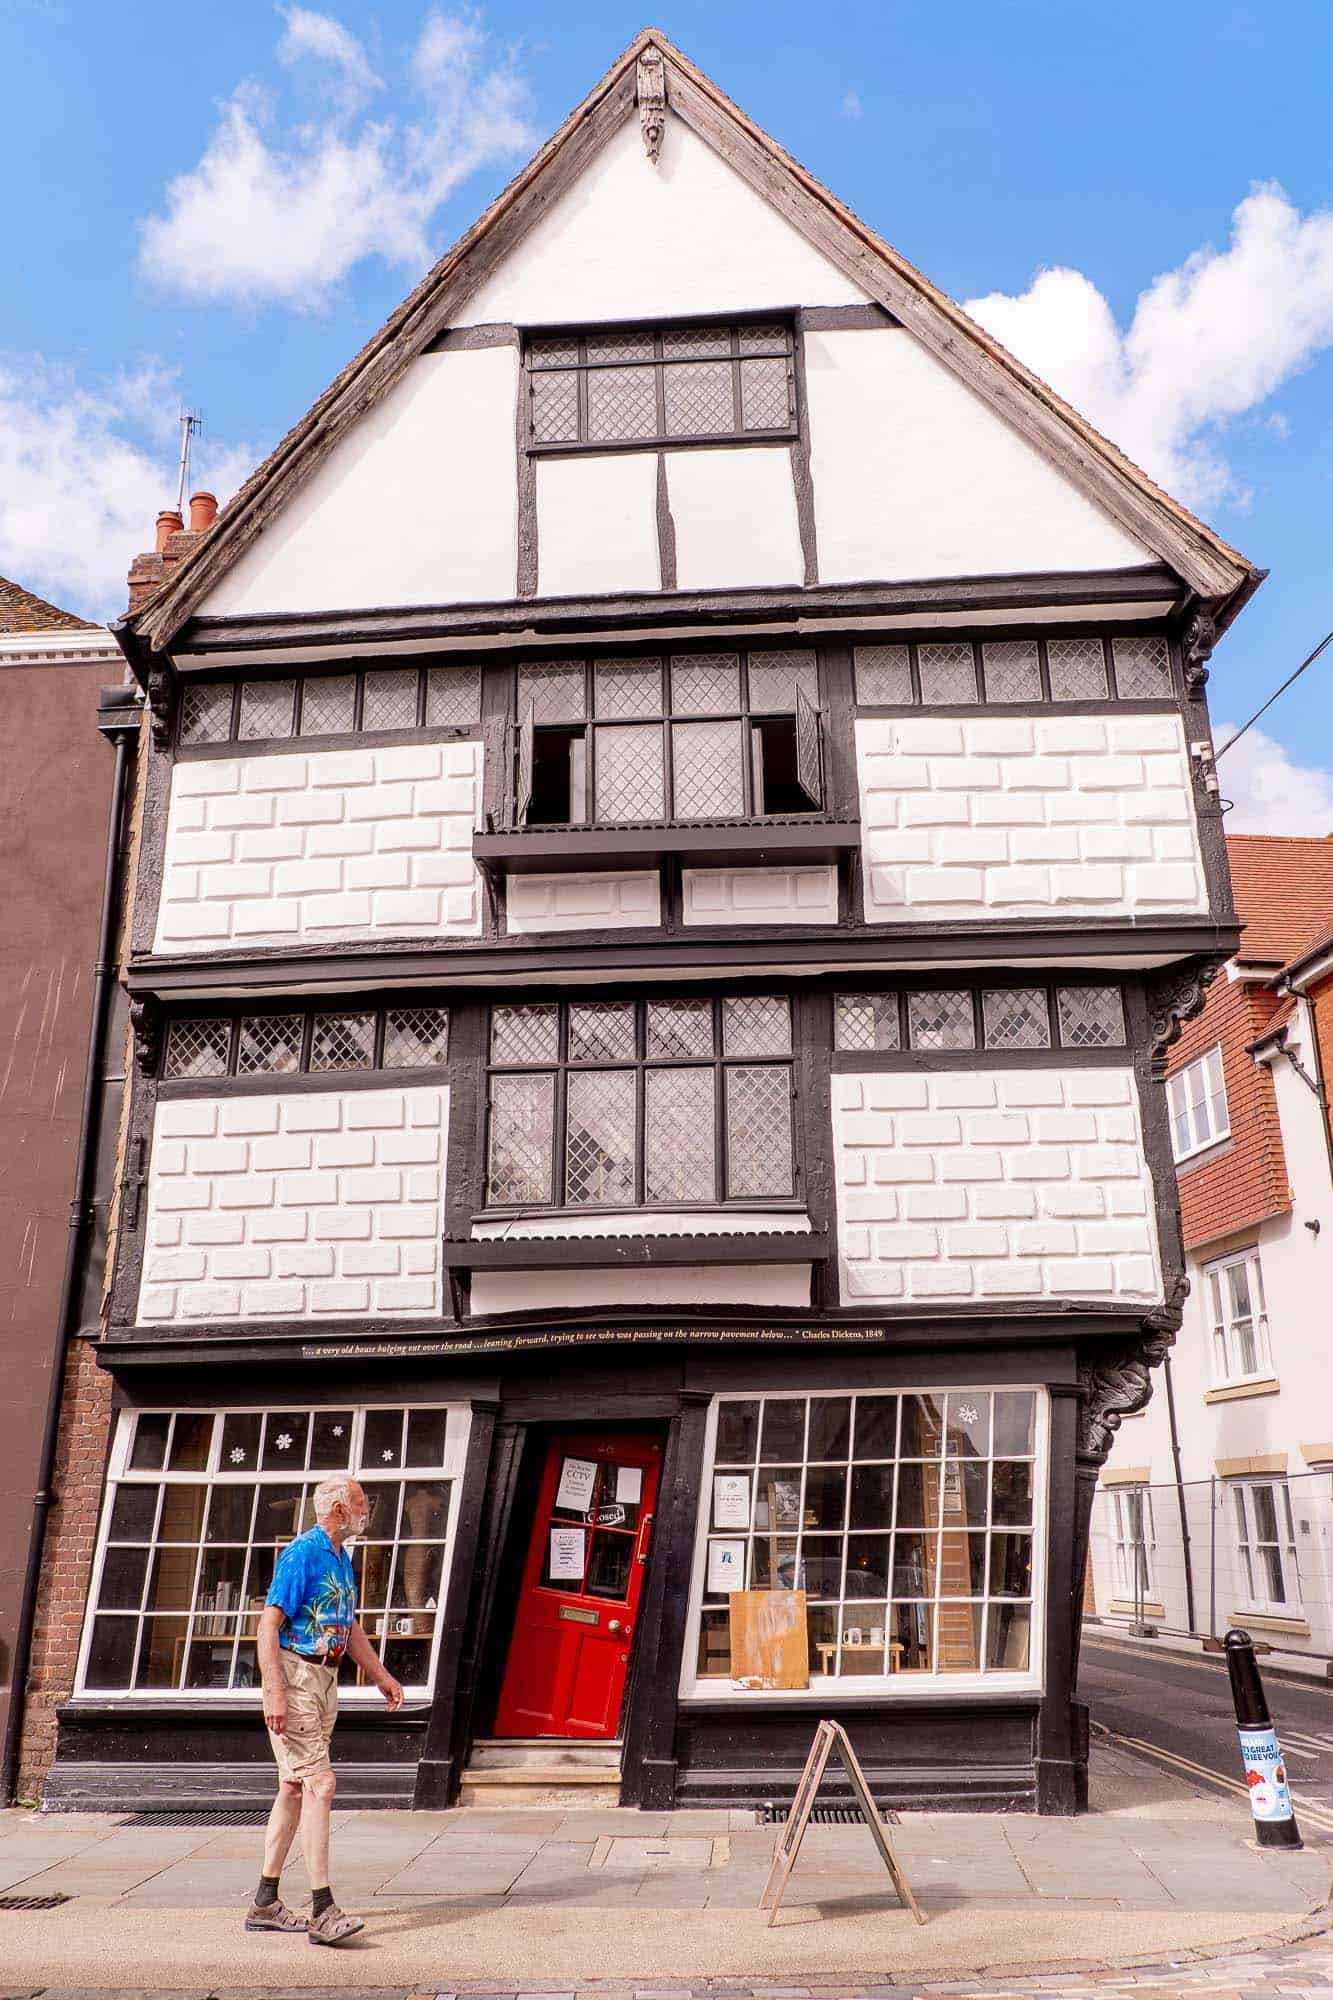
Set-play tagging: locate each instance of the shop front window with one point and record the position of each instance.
(910, 1521)
(199, 1506)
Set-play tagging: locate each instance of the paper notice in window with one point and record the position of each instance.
(629, 1485)
(578, 1477)
(731, 1500)
(567, 1555)
(726, 1566)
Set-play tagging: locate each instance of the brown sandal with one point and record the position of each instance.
(334, 1927)
(273, 1917)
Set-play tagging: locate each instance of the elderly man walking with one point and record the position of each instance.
(308, 1623)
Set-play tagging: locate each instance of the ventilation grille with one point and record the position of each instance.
(209, 1816)
(778, 1815)
(51, 1902)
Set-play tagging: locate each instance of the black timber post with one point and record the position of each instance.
(441, 1755)
(1061, 1760)
(649, 1761)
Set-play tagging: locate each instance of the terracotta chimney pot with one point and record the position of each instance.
(168, 523)
(203, 511)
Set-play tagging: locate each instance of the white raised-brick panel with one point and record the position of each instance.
(716, 245)
(582, 902)
(296, 1216)
(961, 1187)
(389, 517)
(373, 843)
(760, 895)
(1030, 814)
(597, 524)
(734, 514)
(913, 476)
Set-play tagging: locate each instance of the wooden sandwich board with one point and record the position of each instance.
(832, 1736)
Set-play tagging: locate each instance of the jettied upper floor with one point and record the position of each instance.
(668, 375)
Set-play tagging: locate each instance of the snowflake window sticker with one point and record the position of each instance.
(284, 1440)
(238, 1454)
(387, 1456)
(337, 1430)
(968, 1413)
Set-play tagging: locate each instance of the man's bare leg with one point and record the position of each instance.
(282, 1824)
(315, 1807)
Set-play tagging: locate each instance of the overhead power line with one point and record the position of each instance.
(1308, 661)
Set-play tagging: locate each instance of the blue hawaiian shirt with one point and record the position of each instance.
(314, 1584)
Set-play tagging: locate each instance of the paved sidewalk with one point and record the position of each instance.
(556, 1902)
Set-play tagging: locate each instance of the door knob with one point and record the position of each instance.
(613, 1624)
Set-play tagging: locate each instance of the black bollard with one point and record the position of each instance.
(1265, 1771)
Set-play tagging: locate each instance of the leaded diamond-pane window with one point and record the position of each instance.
(416, 1037)
(270, 1043)
(555, 689)
(206, 713)
(1077, 669)
(659, 1103)
(775, 677)
(866, 1021)
(266, 709)
(705, 683)
(948, 673)
(1016, 1017)
(1012, 670)
(883, 675)
(941, 1020)
(342, 1041)
(627, 688)
(453, 697)
(708, 774)
(328, 705)
(640, 386)
(390, 700)
(630, 779)
(1091, 1017)
(1142, 669)
(197, 1048)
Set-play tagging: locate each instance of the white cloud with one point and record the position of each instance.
(1270, 793)
(83, 474)
(851, 106)
(281, 212)
(1208, 341)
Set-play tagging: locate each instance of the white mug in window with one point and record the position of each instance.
(852, 1636)
(405, 1625)
(877, 1635)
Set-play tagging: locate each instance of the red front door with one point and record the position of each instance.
(581, 1586)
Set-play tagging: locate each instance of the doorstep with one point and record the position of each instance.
(528, 1772)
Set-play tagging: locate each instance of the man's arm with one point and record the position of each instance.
(271, 1621)
(363, 1655)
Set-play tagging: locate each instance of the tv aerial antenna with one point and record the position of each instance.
(191, 423)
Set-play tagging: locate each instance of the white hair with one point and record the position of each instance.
(331, 1493)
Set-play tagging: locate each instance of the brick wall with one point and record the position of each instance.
(71, 1534)
(581, 902)
(322, 845)
(326, 1203)
(1321, 1002)
(1245, 1180)
(761, 895)
(993, 1184)
(1027, 815)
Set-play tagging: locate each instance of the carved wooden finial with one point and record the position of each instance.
(650, 88)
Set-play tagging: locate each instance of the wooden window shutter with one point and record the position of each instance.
(808, 767)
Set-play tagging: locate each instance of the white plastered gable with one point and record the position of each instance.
(914, 477)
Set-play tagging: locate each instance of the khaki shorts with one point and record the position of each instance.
(312, 1709)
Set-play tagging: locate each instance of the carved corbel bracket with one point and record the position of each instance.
(1200, 638)
(161, 700)
(650, 89)
(146, 1025)
(1114, 1387)
(1172, 1001)
(1166, 1318)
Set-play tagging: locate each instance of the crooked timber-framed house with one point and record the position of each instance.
(679, 827)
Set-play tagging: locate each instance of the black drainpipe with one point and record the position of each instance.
(1180, 1492)
(118, 719)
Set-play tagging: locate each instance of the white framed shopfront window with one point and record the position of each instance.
(1238, 1318)
(915, 1522)
(198, 1506)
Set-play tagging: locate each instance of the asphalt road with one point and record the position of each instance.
(1181, 1702)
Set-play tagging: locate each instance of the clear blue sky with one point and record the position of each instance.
(987, 142)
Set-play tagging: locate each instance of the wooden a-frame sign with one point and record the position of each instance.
(832, 1736)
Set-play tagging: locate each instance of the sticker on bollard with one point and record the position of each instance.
(1265, 1774)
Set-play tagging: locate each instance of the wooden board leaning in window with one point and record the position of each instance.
(769, 1644)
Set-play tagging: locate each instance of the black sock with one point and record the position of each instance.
(320, 1900)
(267, 1892)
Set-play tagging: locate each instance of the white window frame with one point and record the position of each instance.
(457, 1429)
(1134, 1542)
(1193, 1095)
(1251, 1593)
(931, 1686)
(1224, 1322)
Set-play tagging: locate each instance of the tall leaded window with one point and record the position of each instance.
(1238, 1317)
(696, 736)
(1197, 1097)
(1266, 1545)
(678, 385)
(641, 1103)
(911, 1522)
(200, 1504)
